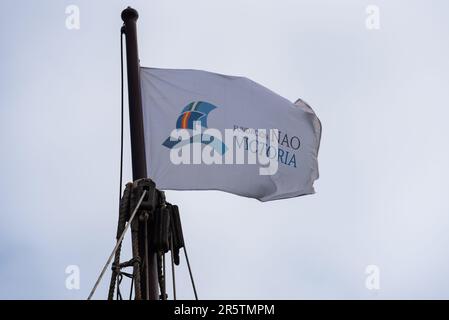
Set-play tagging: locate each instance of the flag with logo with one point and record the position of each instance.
(207, 131)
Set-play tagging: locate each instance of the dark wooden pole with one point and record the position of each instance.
(139, 165)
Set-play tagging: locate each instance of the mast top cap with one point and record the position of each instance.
(129, 14)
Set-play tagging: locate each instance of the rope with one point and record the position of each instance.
(122, 212)
(119, 241)
(172, 266)
(161, 275)
(122, 32)
(190, 272)
(117, 268)
(188, 262)
(120, 278)
(136, 253)
(147, 274)
(131, 288)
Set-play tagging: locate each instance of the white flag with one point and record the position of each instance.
(206, 131)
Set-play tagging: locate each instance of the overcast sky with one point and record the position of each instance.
(382, 97)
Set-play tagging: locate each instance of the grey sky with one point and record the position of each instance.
(381, 96)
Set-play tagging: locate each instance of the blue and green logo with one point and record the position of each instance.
(192, 114)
